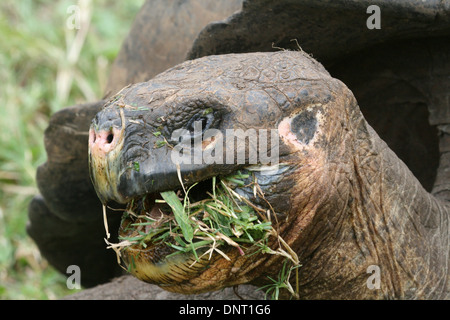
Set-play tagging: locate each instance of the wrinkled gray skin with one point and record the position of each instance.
(399, 75)
(347, 202)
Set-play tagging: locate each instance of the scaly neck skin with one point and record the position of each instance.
(388, 223)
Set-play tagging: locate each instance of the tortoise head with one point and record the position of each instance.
(267, 114)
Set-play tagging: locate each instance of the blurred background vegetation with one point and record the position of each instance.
(44, 66)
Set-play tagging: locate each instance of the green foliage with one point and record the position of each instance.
(220, 219)
(181, 215)
(223, 218)
(40, 76)
(282, 282)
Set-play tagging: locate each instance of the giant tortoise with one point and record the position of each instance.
(362, 120)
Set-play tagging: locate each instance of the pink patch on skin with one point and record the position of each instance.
(101, 143)
(284, 129)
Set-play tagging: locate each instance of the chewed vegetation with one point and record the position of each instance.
(204, 227)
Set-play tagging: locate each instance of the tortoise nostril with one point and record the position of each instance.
(110, 138)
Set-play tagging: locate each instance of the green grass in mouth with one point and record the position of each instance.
(224, 218)
(220, 219)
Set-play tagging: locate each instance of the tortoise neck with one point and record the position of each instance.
(441, 188)
(398, 226)
(387, 240)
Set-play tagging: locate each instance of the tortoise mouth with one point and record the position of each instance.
(172, 236)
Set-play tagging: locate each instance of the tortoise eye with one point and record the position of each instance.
(199, 124)
(304, 126)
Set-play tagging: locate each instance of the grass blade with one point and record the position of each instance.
(180, 214)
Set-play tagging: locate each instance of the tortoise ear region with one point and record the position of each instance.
(304, 126)
(299, 129)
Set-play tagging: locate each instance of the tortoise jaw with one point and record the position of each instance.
(172, 271)
(152, 258)
(154, 252)
(155, 262)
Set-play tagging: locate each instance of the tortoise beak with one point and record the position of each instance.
(120, 173)
(104, 155)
